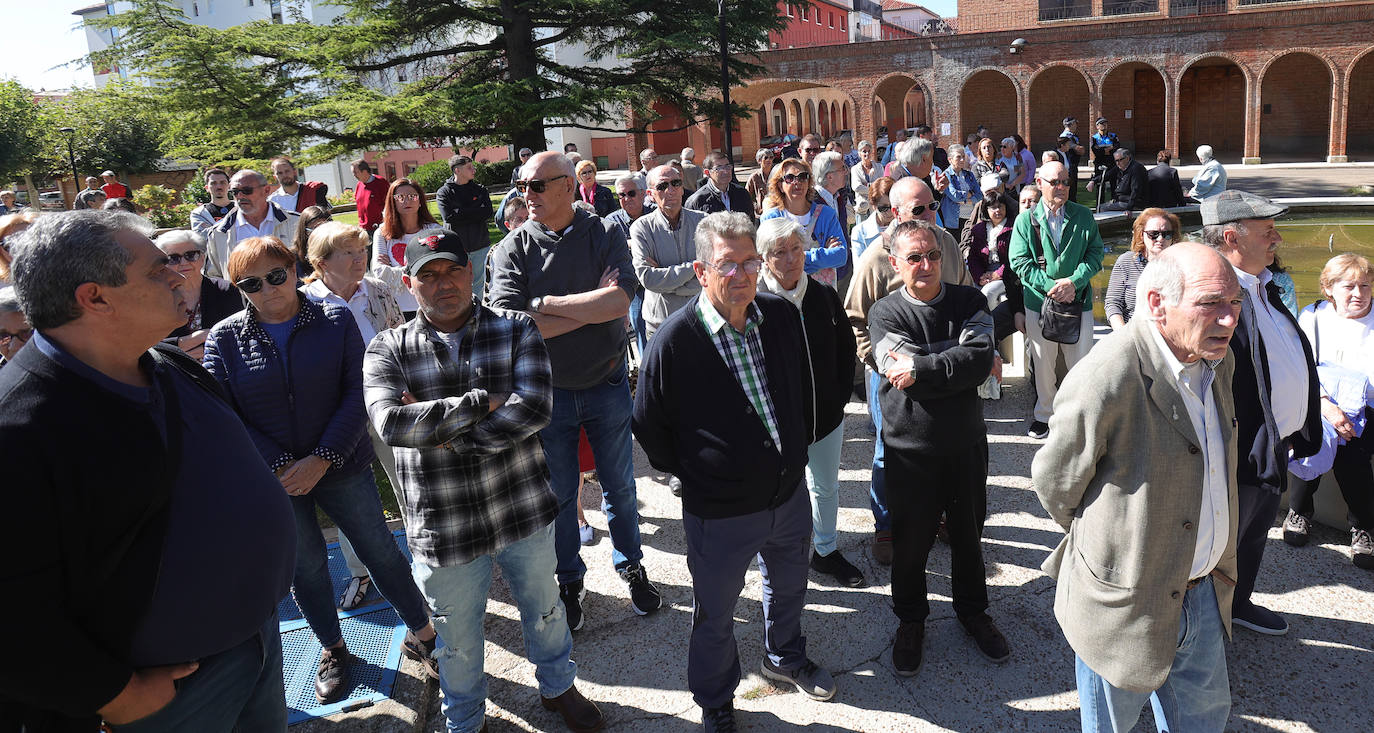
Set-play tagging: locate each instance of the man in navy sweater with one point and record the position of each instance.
(724, 405)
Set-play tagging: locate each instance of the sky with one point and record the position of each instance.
(42, 34)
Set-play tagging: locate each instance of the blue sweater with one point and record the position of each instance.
(693, 419)
(827, 227)
(313, 404)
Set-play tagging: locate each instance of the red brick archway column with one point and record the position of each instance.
(1251, 155)
(1340, 108)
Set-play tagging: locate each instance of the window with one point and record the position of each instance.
(790, 14)
(804, 16)
(409, 167)
(832, 20)
(1126, 7)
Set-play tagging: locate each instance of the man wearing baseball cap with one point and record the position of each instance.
(461, 392)
(1275, 386)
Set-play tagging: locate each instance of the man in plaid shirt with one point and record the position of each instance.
(461, 391)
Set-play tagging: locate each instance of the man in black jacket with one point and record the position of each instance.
(720, 192)
(1128, 182)
(1275, 387)
(129, 549)
(465, 206)
(1165, 190)
(724, 405)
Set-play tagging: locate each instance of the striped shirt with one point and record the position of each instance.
(471, 481)
(743, 355)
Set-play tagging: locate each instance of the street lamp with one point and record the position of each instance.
(725, 81)
(71, 158)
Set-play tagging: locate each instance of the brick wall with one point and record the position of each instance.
(1360, 142)
(1295, 108)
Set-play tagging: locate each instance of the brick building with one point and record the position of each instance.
(1259, 81)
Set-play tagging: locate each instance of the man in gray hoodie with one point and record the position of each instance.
(572, 274)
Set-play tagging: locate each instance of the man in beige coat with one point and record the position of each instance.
(1140, 470)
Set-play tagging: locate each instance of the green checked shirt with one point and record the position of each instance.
(743, 355)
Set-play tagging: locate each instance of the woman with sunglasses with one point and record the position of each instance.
(311, 219)
(209, 300)
(1153, 232)
(870, 230)
(593, 193)
(790, 195)
(293, 370)
(405, 215)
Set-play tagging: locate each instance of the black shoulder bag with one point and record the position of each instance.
(1059, 322)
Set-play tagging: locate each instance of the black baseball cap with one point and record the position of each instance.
(434, 244)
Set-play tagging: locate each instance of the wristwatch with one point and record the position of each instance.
(537, 304)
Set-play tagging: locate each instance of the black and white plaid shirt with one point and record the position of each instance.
(472, 481)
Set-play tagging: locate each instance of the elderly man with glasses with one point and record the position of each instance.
(662, 246)
(1128, 182)
(720, 192)
(1055, 251)
(254, 216)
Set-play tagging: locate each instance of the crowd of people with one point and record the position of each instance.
(291, 351)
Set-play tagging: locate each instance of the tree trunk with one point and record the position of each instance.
(523, 64)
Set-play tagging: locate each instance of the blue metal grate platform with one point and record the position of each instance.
(373, 632)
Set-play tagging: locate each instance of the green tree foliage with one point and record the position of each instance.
(394, 71)
(21, 131)
(114, 127)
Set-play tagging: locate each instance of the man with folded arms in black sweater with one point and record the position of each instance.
(933, 344)
(724, 404)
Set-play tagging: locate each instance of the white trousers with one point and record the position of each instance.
(1045, 356)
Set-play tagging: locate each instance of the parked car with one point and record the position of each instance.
(776, 143)
(51, 201)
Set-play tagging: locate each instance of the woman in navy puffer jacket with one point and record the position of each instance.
(293, 371)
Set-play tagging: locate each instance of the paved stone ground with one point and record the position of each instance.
(1314, 679)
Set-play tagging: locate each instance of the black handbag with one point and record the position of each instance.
(1059, 322)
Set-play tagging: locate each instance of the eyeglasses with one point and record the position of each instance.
(662, 186)
(191, 256)
(883, 209)
(809, 150)
(1157, 235)
(722, 167)
(790, 178)
(915, 258)
(626, 195)
(405, 197)
(1058, 182)
(919, 209)
(729, 269)
(23, 336)
(535, 185)
(254, 284)
(245, 190)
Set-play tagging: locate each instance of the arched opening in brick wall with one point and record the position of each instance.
(761, 114)
(988, 98)
(1055, 93)
(1359, 130)
(1211, 109)
(823, 119)
(835, 126)
(844, 118)
(797, 122)
(1295, 109)
(1133, 101)
(879, 117)
(779, 118)
(811, 123)
(905, 103)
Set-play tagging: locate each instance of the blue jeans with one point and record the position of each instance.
(823, 484)
(459, 597)
(351, 501)
(604, 411)
(877, 491)
(236, 690)
(1196, 695)
(637, 321)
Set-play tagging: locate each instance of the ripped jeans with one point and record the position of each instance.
(458, 595)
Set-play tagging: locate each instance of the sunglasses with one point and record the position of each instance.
(790, 178)
(254, 284)
(535, 185)
(915, 258)
(809, 150)
(191, 256)
(6, 336)
(662, 186)
(1059, 182)
(1158, 235)
(729, 269)
(919, 209)
(626, 195)
(403, 197)
(883, 209)
(245, 190)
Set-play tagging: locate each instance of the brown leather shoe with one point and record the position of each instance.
(331, 679)
(579, 714)
(882, 547)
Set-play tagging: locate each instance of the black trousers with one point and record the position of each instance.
(919, 489)
(1257, 508)
(1354, 475)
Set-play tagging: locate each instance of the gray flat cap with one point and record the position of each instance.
(1233, 205)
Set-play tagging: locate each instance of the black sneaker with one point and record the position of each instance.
(810, 679)
(1295, 529)
(643, 595)
(836, 566)
(990, 641)
(572, 594)
(332, 676)
(1361, 549)
(1259, 620)
(1039, 430)
(719, 720)
(906, 649)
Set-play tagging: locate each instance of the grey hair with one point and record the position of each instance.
(1214, 235)
(647, 153)
(631, 179)
(178, 236)
(9, 301)
(763, 153)
(863, 144)
(1205, 153)
(957, 149)
(915, 151)
(773, 232)
(910, 228)
(723, 225)
(823, 164)
(1164, 276)
(262, 180)
(688, 153)
(61, 252)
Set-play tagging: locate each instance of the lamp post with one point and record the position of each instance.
(725, 82)
(71, 158)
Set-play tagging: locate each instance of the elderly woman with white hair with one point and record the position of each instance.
(209, 300)
(1211, 180)
(830, 351)
(862, 175)
(829, 174)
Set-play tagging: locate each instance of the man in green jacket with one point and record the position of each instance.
(1065, 235)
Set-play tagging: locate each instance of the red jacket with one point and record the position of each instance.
(370, 197)
(116, 191)
(312, 193)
